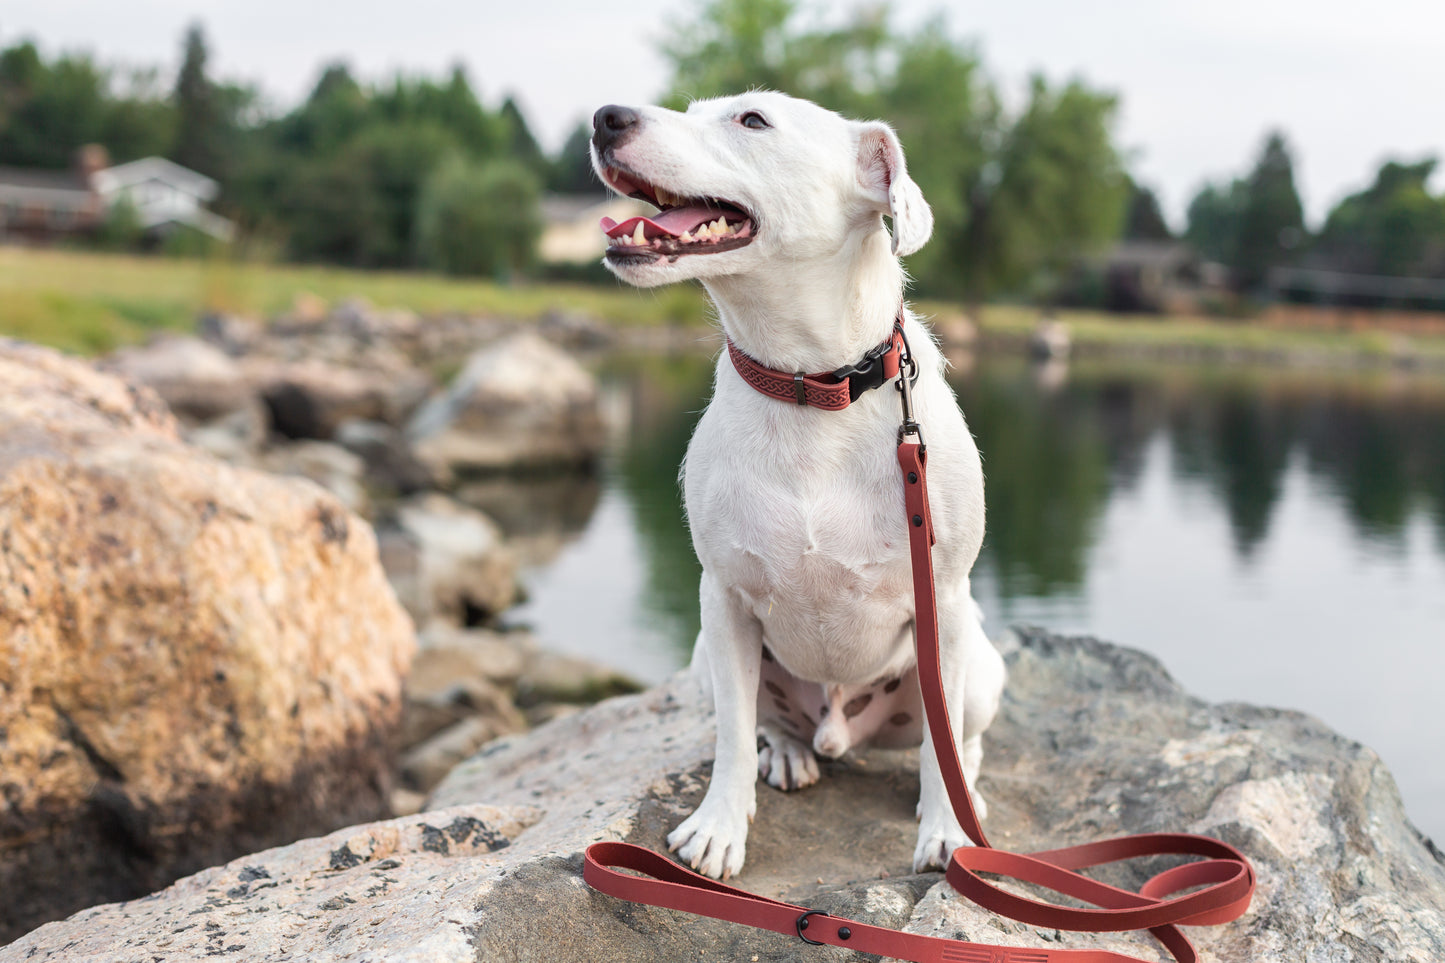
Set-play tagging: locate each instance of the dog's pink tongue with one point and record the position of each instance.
(673, 222)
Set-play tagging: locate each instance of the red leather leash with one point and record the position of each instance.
(1222, 883)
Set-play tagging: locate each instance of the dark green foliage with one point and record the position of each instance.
(199, 136)
(121, 230)
(571, 172)
(1251, 225)
(1214, 217)
(1271, 222)
(521, 145)
(48, 111)
(1143, 221)
(1395, 227)
(479, 219)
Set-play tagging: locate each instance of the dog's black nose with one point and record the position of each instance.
(610, 124)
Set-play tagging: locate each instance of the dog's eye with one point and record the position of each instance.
(754, 120)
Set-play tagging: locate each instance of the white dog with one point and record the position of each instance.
(776, 205)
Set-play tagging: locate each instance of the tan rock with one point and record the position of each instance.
(197, 659)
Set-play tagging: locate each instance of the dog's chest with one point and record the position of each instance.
(813, 545)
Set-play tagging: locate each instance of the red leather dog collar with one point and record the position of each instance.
(828, 390)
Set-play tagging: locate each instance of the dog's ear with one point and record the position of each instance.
(884, 179)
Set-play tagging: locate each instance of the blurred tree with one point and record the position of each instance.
(1213, 221)
(1395, 227)
(1271, 220)
(48, 111)
(1053, 189)
(571, 170)
(139, 120)
(200, 136)
(121, 230)
(479, 219)
(1251, 225)
(521, 145)
(1143, 221)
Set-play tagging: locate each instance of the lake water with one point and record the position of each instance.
(1274, 536)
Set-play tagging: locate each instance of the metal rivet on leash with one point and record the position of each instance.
(913, 478)
(844, 932)
(917, 521)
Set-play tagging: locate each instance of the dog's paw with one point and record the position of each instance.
(784, 762)
(939, 834)
(713, 840)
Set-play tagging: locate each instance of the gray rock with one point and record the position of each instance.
(391, 465)
(447, 561)
(1050, 340)
(231, 333)
(198, 381)
(311, 398)
(328, 465)
(1092, 741)
(518, 405)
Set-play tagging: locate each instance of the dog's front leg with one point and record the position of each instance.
(973, 677)
(713, 840)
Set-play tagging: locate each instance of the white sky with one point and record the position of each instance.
(1200, 82)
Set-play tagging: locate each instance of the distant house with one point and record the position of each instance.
(43, 205)
(164, 195)
(570, 233)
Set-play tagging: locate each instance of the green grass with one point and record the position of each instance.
(90, 303)
(1162, 335)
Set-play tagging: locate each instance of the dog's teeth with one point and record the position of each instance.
(637, 236)
(703, 233)
(685, 236)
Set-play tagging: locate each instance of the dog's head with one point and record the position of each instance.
(741, 182)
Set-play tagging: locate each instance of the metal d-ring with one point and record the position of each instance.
(802, 924)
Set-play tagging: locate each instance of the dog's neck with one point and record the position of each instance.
(819, 314)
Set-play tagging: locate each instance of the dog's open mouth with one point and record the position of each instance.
(683, 225)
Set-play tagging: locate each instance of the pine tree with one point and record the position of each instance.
(198, 120)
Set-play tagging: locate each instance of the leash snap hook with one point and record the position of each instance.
(802, 924)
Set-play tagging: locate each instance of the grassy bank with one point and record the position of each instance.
(90, 303)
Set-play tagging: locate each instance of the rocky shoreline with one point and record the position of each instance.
(252, 591)
(1093, 740)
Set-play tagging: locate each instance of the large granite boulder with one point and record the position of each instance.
(1092, 741)
(196, 660)
(521, 404)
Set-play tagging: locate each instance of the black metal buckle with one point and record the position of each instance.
(802, 924)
